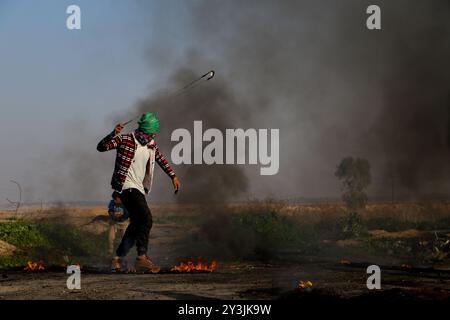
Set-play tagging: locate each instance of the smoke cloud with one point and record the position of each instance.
(313, 70)
(335, 88)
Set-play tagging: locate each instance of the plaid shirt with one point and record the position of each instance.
(126, 148)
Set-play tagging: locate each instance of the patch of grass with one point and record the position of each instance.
(440, 224)
(392, 224)
(270, 227)
(178, 219)
(67, 240)
(352, 226)
(13, 260)
(275, 232)
(327, 229)
(22, 234)
(50, 241)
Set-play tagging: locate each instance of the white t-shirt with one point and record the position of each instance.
(136, 172)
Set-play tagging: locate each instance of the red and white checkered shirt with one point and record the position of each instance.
(126, 147)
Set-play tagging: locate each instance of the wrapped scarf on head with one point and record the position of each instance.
(148, 125)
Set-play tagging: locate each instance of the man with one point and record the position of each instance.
(132, 178)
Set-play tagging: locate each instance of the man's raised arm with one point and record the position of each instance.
(112, 140)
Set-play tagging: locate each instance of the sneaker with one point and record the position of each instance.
(144, 264)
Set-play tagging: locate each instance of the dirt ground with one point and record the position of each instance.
(231, 281)
(331, 276)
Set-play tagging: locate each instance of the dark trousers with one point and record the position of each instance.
(141, 222)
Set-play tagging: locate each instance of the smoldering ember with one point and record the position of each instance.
(235, 140)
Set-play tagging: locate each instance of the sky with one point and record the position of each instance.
(308, 68)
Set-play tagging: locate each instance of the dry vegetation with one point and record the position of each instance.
(408, 211)
(268, 227)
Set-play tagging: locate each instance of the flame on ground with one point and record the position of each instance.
(34, 266)
(191, 266)
(304, 285)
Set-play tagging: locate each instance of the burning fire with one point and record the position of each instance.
(153, 269)
(34, 266)
(199, 266)
(304, 285)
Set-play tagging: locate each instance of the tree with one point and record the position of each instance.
(355, 177)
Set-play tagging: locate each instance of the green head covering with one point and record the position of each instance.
(148, 123)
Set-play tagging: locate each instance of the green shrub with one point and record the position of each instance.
(270, 227)
(13, 260)
(272, 232)
(68, 240)
(22, 234)
(50, 241)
